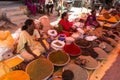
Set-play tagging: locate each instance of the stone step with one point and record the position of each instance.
(17, 18)
(10, 9)
(15, 13)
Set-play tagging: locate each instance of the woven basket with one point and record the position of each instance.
(59, 58)
(40, 69)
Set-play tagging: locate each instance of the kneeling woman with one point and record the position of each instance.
(27, 46)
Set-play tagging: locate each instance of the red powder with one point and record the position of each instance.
(72, 49)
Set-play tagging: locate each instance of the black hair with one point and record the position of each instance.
(63, 15)
(93, 11)
(67, 75)
(27, 23)
(24, 27)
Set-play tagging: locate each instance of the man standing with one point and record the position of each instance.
(49, 5)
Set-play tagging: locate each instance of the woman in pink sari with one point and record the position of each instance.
(91, 20)
(31, 6)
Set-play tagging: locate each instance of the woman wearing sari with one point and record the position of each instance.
(27, 46)
(91, 20)
(31, 6)
(64, 26)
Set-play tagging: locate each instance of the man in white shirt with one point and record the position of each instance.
(49, 5)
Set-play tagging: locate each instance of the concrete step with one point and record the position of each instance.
(17, 18)
(15, 13)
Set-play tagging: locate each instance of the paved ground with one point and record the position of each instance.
(114, 72)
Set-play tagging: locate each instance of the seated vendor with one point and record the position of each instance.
(64, 26)
(27, 46)
(91, 20)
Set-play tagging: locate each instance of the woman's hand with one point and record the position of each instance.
(27, 48)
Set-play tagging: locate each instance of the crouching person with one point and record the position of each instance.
(27, 46)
